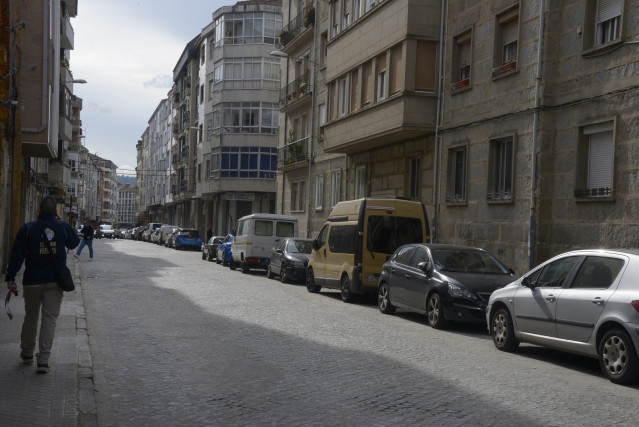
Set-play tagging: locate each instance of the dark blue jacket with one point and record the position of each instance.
(29, 245)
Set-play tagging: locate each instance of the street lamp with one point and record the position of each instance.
(78, 81)
(280, 54)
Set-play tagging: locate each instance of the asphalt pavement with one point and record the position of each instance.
(63, 397)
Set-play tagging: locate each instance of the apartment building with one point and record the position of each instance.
(185, 206)
(237, 84)
(107, 195)
(126, 205)
(538, 136)
(38, 103)
(310, 180)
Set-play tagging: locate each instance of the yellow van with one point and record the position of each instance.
(357, 239)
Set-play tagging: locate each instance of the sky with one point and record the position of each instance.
(126, 51)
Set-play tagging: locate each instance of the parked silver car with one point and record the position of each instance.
(583, 302)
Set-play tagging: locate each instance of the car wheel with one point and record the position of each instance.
(283, 277)
(383, 299)
(209, 257)
(245, 267)
(501, 327)
(269, 273)
(345, 288)
(434, 312)
(231, 263)
(617, 357)
(310, 282)
(203, 255)
(217, 259)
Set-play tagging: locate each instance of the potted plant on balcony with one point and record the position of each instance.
(309, 16)
(508, 65)
(302, 88)
(285, 37)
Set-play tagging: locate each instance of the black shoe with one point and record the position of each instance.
(26, 360)
(43, 368)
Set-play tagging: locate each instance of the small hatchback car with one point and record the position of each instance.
(583, 302)
(445, 282)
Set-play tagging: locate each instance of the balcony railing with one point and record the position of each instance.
(297, 25)
(296, 89)
(294, 152)
(593, 193)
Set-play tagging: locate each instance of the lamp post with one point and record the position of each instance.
(281, 54)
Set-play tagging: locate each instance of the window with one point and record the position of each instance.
(369, 4)
(387, 233)
(354, 88)
(323, 49)
(297, 195)
(414, 184)
(248, 28)
(342, 239)
(597, 273)
(284, 229)
(342, 97)
(425, 66)
(506, 40)
(321, 117)
(346, 13)
(360, 181)
(263, 228)
(501, 170)
(381, 77)
(245, 117)
(396, 70)
(461, 60)
(244, 162)
(456, 175)
(608, 21)
(334, 18)
(367, 83)
(357, 9)
(336, 184)
(554, 274)
(319, 191)
(595, 159)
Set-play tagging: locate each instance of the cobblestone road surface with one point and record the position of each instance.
(176, 340)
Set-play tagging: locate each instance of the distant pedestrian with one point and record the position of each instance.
(39, 282)
(209, 233)
(87, 232)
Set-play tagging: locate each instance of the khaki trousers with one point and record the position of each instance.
(47, 296)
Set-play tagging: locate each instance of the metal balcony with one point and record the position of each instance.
(297, 89)
(292, 153)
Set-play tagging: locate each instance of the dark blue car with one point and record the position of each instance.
(187, 238)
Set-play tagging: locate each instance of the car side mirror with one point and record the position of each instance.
(425, 267)
(316, 245)
(279, 251)
(528, 283)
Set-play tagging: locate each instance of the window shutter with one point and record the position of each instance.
(600, 158)
(381, 63)
(367, 83)
(396, 69)
(425, 66)
(609, 9)
(510, 32)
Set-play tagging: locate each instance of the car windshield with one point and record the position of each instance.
(190, 233)
(106, 227)
(467, 261)
(299, 247)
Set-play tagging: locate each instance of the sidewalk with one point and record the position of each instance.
(64, 396)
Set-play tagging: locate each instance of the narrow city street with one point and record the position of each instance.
(176, 340)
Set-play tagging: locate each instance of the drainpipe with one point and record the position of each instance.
(45, 71)
(312, 136)
(532, 221)
(440, 73)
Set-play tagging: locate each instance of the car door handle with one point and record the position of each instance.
(550, 298)
(597, 301)
(408, 276)
(392, 270)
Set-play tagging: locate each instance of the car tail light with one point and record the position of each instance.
(635, 304)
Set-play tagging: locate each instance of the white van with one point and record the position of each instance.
(256, 235)
(358, 238)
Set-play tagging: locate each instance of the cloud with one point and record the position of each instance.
(160, 82)
(96, 108)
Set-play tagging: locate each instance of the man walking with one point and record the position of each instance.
(87, 231)
(41, 292)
